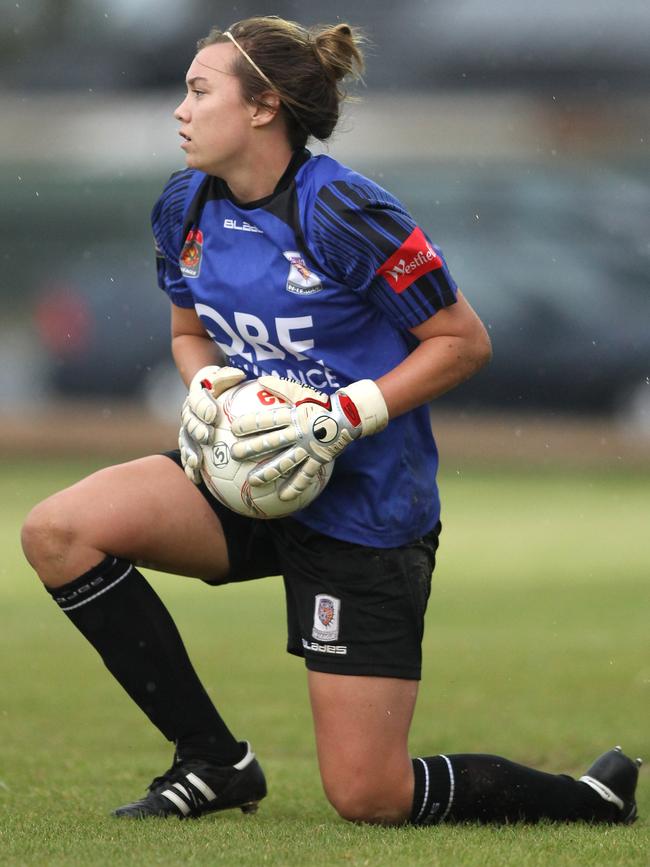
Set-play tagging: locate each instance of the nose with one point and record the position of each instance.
(181, 112)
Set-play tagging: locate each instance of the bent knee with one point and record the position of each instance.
(364, 803)
(46, 536)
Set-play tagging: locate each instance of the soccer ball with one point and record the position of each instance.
(227, 479)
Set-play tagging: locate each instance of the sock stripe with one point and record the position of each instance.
(426, 791)
(95, 595)
(452, 787)
(604, 791)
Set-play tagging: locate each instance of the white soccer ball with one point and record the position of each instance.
(227, 479)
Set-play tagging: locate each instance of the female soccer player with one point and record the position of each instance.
(304, 273)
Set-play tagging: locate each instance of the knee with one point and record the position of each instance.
(46, 535)
(359, 801)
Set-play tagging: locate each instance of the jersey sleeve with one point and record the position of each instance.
(167, 225)
(370, 242)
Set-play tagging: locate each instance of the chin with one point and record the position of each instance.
(193, 162)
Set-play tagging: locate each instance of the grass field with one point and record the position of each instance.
(537, 647)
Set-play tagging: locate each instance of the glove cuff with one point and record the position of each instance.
(370, 403)
(205, 373)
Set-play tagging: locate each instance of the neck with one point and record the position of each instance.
(258, 174)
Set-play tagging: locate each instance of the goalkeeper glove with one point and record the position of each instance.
(311, 431)
(199, 414)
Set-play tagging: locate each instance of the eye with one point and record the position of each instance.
(198, 93)
(325, 429)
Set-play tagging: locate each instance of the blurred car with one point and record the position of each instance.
(556, 260)
(104, 326)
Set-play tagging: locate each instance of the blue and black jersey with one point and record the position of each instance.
(319, 282)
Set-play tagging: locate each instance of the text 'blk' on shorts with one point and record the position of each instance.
(351, 609)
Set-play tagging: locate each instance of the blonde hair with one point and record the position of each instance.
(305, 67)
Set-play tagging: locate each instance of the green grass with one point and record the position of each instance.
(537, 647)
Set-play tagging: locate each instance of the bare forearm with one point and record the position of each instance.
(191, 352)
(437, 365)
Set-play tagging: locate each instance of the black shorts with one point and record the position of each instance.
(351, 609)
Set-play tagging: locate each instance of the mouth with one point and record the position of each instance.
(185, 138)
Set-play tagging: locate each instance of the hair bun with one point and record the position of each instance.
(338, 49)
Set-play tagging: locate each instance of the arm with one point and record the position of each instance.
(454, 345)
(192, 346)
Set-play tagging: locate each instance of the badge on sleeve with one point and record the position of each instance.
(190, 258)
(414, 258)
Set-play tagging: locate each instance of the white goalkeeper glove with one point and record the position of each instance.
(199, 414)
(309, 432)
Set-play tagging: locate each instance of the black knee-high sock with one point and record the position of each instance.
(115, 608)
(481, 788)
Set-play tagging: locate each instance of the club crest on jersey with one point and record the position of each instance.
(191, 254)
(326, 617)
(414, 258)
(301, 281)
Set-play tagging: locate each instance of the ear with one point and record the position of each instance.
(264, 108)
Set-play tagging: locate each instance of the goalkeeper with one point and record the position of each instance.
(293, 268)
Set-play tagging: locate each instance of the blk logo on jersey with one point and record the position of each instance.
(327, 611)
(414, 258)
(241, 227)
(301, 281)
(191, 254)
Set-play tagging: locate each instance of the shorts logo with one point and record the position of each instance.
(414, 258)
(326, 618)
(301, 281)
(338, 649)
(190, 258)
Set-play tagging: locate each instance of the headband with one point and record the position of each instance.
(250, 60)
(262, 75)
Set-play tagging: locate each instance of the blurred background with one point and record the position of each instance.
(516, 133)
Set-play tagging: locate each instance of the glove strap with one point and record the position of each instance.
(369, 403)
